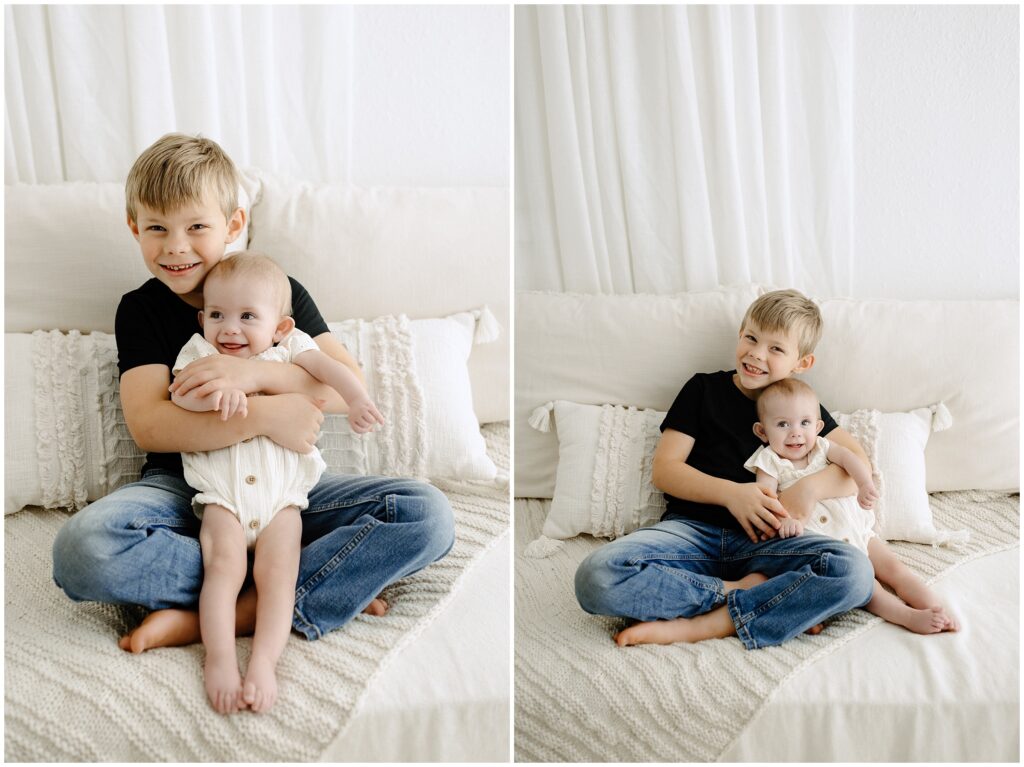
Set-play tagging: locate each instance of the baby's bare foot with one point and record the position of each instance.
(377, 607)
(163, 628)
(259, 691)
(223, 683)
(952, 624)
(930, 620)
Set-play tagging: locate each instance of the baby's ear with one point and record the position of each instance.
(284, 327)
(200, 318)
(761, 433)
(819, 426)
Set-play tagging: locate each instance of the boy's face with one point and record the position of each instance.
(180, 247)
(242, 315)
(766, 357)
(790, 424)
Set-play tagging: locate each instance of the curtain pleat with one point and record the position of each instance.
(89, 87)
(681, 148)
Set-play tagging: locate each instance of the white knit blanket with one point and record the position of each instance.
(72, 695)
(579, 697)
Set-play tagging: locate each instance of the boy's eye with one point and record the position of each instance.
(778, 349)
(154, 228)
(200, 226)
(750, 338)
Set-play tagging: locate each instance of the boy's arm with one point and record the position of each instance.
(831, 482)
(222, 371)
(752, 506)
(158, 425)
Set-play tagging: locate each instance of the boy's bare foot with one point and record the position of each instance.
(377, 607)
(746, 582)
(259, 691)
(223, 683)
(816, 629)
(713, 625)
(163, 628)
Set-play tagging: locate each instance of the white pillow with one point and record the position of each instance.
(603, 485)
(417, 251)
(624, 350)
(67, 441)
(895, 444)
(69, 255)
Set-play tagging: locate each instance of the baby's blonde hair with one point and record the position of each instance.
(179, 170)
(788, 311)
(249, 263)
(786, 387)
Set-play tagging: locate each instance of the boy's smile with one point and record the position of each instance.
(763, 358)
(181, 246)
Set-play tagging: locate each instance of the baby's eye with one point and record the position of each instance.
(214, 315)
(248, 316)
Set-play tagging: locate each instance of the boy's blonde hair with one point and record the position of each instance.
(247, 263)
(788, 311)
(786, 387)
(178, 170)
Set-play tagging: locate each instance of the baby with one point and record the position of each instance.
(789, 421)
(250, 494)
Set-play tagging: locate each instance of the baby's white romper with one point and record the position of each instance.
(840, 518)
(256, 478)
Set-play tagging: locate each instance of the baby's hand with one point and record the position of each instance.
(363, 415)
(790, 527)
(230, 402)
(867, 495)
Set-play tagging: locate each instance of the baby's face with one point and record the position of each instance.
(791, 424)
(241, 315)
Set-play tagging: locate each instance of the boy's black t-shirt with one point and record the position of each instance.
(720, 418)
(153, 323)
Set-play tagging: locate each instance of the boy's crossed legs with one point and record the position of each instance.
(701, 573)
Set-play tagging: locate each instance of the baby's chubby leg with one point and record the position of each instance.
(917, 608)
(224, 566)
(275, 571)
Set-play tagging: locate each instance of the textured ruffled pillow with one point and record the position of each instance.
(67, 442)
(603, 485)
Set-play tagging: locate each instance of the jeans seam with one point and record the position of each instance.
(311, 509)
(314, 580)
(685, 575)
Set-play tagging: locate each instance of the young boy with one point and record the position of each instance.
(139, 545)
(714, 566)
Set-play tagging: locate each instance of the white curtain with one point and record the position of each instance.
(680, 148)
(89, 87)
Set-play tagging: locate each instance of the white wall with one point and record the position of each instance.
(936, 152)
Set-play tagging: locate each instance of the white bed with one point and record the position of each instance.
(862, 691)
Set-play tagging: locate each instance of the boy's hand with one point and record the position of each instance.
(867, 495)
(363, 415)
(756, 509)
(294, 421)
(216, 372)
(230, 402)
(791, 528)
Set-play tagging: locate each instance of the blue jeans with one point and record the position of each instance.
(140, 545)
(676, 568)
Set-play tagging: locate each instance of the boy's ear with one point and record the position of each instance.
(804, 364)
(284, 327)
(133, 226)
(761, 433)
(235, 225)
